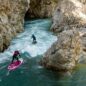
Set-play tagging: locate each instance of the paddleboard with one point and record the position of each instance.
(15, 64)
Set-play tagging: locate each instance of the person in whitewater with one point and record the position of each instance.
(15, 56)
(34, 39)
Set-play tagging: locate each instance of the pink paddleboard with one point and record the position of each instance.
(15, 64)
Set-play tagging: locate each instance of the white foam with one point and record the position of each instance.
(23, 41)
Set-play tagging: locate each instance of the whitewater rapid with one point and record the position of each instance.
(23, 41)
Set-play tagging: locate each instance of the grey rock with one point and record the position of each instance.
(64, 53)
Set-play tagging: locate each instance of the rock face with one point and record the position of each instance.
(69, 21)
(12, 14)
(41, 8)
(64, 53)
(82, 32)
(69, 13)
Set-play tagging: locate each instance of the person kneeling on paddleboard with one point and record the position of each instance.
(15, 56)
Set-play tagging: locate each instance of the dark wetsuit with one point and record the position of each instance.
(15, 55)
(34, 39)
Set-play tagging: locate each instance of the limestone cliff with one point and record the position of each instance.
(69, 14)
(12, 14)
(41, 8)
(69, 21)
(64, 53)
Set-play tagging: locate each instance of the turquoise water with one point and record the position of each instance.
(30, 73)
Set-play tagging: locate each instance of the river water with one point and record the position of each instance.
(30, 73)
